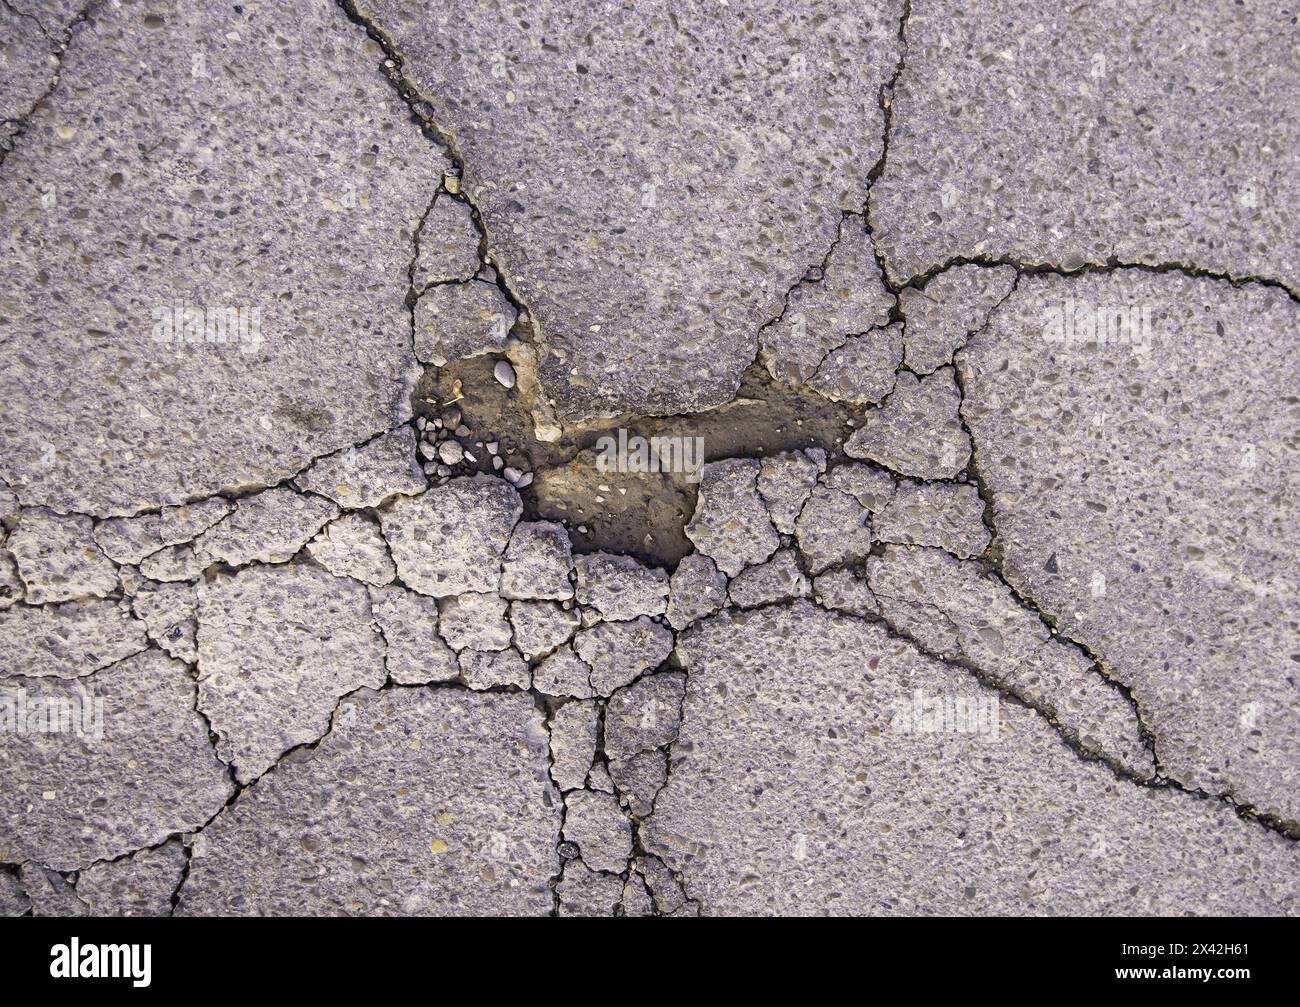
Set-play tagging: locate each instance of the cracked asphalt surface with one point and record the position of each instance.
(656, 459)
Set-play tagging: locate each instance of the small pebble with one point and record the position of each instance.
(470, 458)
(524, 480)
(427, 450)
(437, 423)
(512, 474)
(497, 463)
(462, 431)
(420, 423)
(444, 471)
(430, 468)
(450, 452)
(492, 447)
(504, 373)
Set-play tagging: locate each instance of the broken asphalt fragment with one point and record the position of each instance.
(784, 482)
(68, 640)
(267, 527)
(917, 430)
(573, 743)
(697, 588)
(833, 528)
(731, 525)
(451, 538)
(169, 614)
(644, 715)
(59, 807)
(352, 546)
(489, 669)
(448, 243)
(414, 652)
(541, 626)
(952, 305)
(600, 829)
(139, 885)
(131, 539)
(584, 892)
(563, 673)
(779, 579)
(861, 369)
(278, 647)
(617, 652)
(845, 299)
(369, 475)
(58, 558)
(418, 802)
(947, 515)
(475, 620)
(537, 562)
(458, 320)
(620, 587)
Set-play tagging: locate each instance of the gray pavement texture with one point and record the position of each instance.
(946, 559)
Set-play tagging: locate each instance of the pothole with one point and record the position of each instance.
(641, 513)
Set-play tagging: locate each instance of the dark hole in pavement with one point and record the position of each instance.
(642, 514)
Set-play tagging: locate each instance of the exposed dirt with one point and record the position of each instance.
(639, 513)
